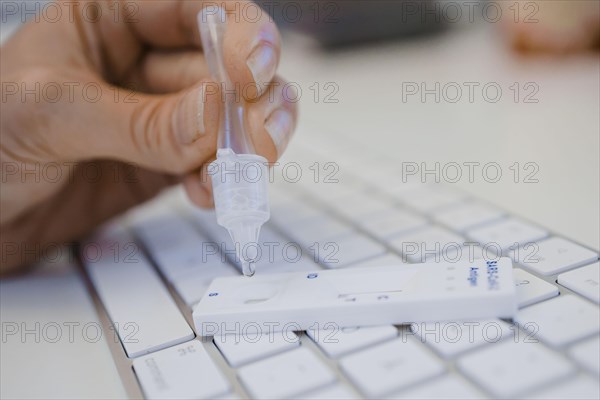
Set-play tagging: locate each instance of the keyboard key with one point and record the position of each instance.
(393, 185)
(329, 193)
(295, 211)
(510, 368)
(182, 372)
(432, 197)
(452, 338)
(579, 388)
(191, 287)
(138, 303)
(240, 349)
(390, 366)
(285, 375)
(333, 392)
(189, 254)
(531, 289)
(588, 354)
(505, 233)
(317, 230)
(555, 255)
(560, 321)
(467, 215)
(445, 388)
(362, 204)
(584, 280)
(336, 342)
(388, 223)
(275, 250)
(433, 240)
(347, 250)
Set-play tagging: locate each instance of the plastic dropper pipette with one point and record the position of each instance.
(239, 175)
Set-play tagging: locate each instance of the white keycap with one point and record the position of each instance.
(390, 366)
(274, 249)
(531, 289)
(317, 230)
(467, 215)
(362, 204)
(138, 303)
(189, 254)
(432, 198)
(182, 372)
(240, 349)
(294, 211)
(452, 338)
(191, 287)
(331, 192)
(581, 387)
(346, 250)
(561, 320)
(588, 354)
(505, 233)
(164, 232)
(206, 221)
(336, 342)
(428, 241)
(554, 256)
(584, 280)
(286, 375)
(394, 186)
(333, 392)
(445, 388)
(384, 224)
(384, 260)
(510, 368)
(153, 212)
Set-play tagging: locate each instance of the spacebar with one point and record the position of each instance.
(138, 304)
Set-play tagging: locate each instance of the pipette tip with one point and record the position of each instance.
(248, 268)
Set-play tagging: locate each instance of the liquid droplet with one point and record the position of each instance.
(248, 268)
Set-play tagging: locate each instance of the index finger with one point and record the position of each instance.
(252, 42)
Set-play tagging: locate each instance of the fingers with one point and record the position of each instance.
(174, 133)
(198, 187)
(169, 71)
(252, 42)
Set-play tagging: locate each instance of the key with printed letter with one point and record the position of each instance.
(181, 372)
(584, 280)
(286, 375)
(561, 321)
(554, 256)
(508, 369)
(390, 366)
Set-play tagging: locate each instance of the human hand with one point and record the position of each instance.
(558, 26)
(79, 145)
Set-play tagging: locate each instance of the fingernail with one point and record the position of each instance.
(280, 126)
(262, 63)
(192, 127)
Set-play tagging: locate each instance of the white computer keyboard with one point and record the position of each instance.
(150, 267)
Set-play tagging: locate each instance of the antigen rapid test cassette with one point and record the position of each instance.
(358, 297)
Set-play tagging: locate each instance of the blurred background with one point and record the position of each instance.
(511, 82)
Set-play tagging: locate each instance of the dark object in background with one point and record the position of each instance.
(346, 22)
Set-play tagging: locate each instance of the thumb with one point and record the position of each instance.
(172, 133)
